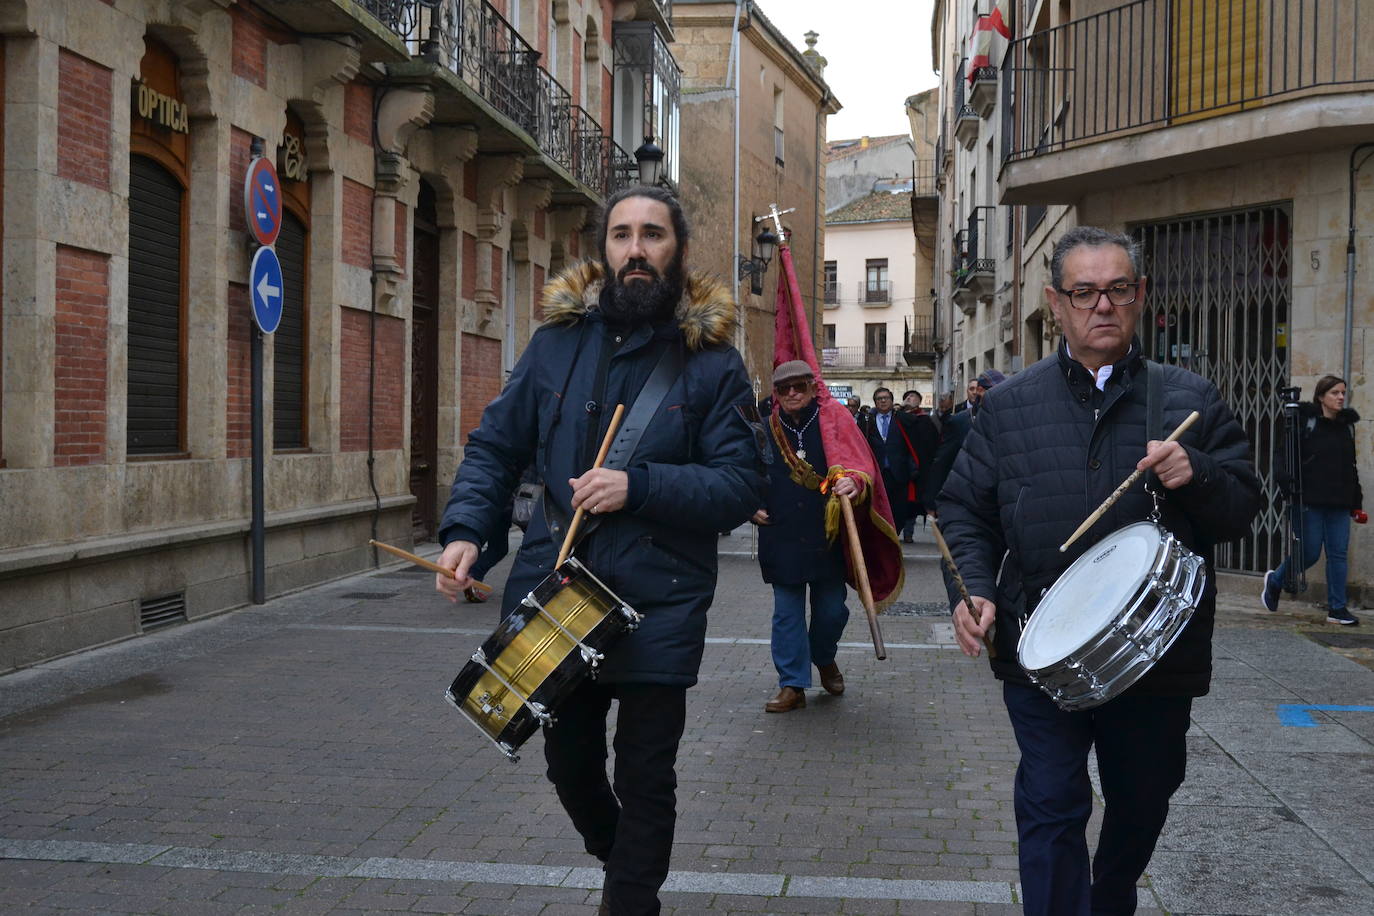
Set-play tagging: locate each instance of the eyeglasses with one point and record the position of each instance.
(1118, 294)
(800, 387)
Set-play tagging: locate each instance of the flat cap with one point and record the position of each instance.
(793, 368)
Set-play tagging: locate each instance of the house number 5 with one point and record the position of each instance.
(1316, 261)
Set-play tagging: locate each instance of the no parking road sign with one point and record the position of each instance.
(262, 201)
(266, 289)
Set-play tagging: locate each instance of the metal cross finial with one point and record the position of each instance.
(776, 216)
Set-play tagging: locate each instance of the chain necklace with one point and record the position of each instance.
(801, 452)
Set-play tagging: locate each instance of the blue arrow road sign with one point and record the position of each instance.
(266, 289)
(1297, 715)
(262, 201)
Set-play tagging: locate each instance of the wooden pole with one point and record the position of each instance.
(568, 539)
(856, 555)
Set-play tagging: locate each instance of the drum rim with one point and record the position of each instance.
(1134, 596)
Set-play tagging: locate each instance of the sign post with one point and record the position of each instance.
(263, 213)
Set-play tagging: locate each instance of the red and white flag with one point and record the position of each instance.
(846, 451)
(989, 33)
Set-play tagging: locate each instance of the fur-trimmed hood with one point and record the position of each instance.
(706, 314)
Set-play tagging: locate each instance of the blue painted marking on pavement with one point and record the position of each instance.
(1297, 715)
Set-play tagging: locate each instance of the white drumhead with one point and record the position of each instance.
(1089, 595)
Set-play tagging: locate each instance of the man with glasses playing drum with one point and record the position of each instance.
(632, 329)
(1050, 446)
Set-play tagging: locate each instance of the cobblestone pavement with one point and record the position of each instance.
(299, 758)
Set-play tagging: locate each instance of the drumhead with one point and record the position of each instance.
(1089, 595)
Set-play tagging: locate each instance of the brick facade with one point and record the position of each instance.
(389, 397)
(238, 389)
(83, 123)
(468, 287)
(240, 154)
(250, 48)
(540, 279)
(81, 326)
(470, 180)
(358, 112)
(357, 224)
(481, 380)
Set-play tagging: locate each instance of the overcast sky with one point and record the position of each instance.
(877, 53)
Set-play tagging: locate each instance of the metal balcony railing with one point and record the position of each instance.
(1154, 63)
(401, 16)
(832, 292)
(893, 357)
(475, 42)
(973, 247)
(921, 344)
(875, 292)
(924, 175)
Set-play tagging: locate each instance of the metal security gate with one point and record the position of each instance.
(1218, 303)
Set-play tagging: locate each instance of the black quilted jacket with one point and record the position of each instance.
(1046, 449)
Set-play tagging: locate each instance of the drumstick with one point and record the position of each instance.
(600, 457)
(963, 589)
(421, 561)
(1125, 485)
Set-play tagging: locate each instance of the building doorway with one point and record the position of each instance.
(1219, 301)
(424, 368)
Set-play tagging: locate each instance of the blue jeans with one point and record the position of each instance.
(1324, 526)
(1141, 755)
(795, 646)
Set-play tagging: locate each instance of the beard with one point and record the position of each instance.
(638, 301)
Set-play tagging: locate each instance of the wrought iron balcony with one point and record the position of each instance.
(1155, 63)
(974, 266)
(401, 16)
(832, 293)
(893, 357)
(875, 293)
(475, 42)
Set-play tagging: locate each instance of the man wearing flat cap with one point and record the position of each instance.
(794, 553)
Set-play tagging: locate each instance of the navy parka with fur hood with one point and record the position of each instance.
(1045, 451)
(697, 471)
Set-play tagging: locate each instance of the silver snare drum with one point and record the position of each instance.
(1111, 615)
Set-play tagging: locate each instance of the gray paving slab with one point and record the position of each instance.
(300, 756)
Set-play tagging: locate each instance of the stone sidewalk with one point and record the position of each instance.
(299, 758)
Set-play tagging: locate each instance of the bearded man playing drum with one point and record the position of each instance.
(652, 526)
(1050, 444)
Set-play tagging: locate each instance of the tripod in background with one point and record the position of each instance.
(1295, 575)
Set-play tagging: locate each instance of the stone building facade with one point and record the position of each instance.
(437, 162)
(1232, 145)
(777, 156)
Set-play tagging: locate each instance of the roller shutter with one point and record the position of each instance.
(288, 342)
(155, 290)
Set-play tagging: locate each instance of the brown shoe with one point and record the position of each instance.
(788, 699)
(831, 679)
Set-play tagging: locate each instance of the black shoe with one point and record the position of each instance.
(1343, 617)
(1269, 593)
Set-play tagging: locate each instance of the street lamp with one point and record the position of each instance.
(755, 268)
(650, 159)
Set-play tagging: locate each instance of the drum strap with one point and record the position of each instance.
(1154, 411)
(665, 373)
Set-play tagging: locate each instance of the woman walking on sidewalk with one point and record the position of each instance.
(1331, 494)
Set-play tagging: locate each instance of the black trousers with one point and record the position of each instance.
(629, 826)
(1141, 757)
